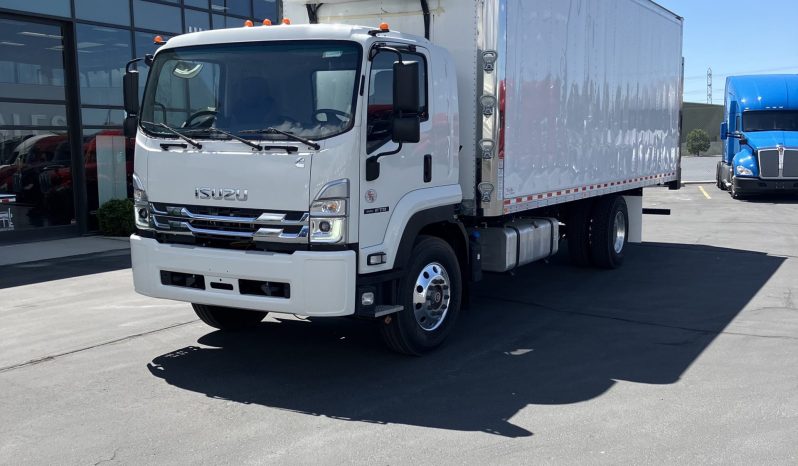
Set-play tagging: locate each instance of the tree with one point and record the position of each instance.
(697, 142)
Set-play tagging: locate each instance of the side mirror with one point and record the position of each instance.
(724, 131)
(130, 86)
(406, 129)
(743, 140)
(406, 88)
(130, 126)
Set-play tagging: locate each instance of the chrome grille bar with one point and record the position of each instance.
(265, 227)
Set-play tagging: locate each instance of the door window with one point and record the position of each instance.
(380, 104)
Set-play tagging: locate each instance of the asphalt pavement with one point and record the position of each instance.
(699, 168)
(687, 354)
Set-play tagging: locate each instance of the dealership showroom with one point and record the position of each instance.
(62, 150)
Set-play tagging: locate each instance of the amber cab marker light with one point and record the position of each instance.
(158, 40)
(267, 22)
(248, 23)
(286, 21)
(384, 27)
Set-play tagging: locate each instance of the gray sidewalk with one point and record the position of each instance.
(44, 250)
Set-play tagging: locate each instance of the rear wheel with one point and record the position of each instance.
(225, 318)
(609, 232)
(431, 293)
(719, 177)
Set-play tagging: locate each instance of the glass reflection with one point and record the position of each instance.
(31, 61)
(102, 55)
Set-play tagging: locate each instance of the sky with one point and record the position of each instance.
(735, 37)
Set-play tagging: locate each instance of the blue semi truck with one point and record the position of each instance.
(760, 134)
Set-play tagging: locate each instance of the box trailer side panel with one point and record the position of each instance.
(591, 100)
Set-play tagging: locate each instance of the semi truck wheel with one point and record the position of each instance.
(431, 295)
(578, 233)
(225, 318)
(609, 232)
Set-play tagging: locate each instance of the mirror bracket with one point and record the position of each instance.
(373, 163)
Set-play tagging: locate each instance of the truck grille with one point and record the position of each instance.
(219, 223)
(773, 166)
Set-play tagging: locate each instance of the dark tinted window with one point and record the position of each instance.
(102, 55)
(106, 11)
(265, 9)
(49, 7)
(380, 106)
(771, 120)
(197, 21)
(157, 17)
(232, 7)
(197, 3)
(31, 61)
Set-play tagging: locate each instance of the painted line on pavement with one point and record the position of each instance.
(704, 192)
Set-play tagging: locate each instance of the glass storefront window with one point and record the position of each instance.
(102, 55)
(265, 9)
(104, 11)
(36, 178)
(197, 3)
(157, 17)
(47, 7)
(31, 61)
(197, 21)
(108, 158)
(232, 7)
(102, 116)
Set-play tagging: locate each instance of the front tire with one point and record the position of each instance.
(609, 232)
(228, 319)
(431, 294)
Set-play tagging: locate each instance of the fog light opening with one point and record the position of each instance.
(367, 299)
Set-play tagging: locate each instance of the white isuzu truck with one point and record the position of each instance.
(376, 159)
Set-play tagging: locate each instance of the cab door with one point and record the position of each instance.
(403, 169)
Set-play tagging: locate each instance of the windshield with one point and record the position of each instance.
(303, 88)
(770, 120)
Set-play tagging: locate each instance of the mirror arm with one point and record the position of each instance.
(131, 62)
(373, 163)
(384, 48)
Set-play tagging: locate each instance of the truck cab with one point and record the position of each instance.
(760, 134)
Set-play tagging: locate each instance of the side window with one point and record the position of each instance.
(380, 103)
(738, 123)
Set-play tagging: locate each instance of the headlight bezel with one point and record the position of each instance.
(741, 170)
(141, 204)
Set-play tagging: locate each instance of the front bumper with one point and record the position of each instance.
(756, 185)
(322, 284)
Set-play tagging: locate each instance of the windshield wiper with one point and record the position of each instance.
(307, 142)
(175, 132)
(231, 135)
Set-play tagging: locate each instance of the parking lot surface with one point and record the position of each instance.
(687, 354)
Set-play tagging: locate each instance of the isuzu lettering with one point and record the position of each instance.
(376, 160)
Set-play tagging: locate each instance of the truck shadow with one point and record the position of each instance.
(29, 273)
(550, 335)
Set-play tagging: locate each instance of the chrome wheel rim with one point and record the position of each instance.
(620, 232)
(431, 297)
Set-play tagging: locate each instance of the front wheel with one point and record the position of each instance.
(225, 318)
(431, 293)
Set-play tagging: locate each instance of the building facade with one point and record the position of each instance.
(62, 150)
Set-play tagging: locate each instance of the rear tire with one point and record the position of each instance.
(719, 177)
(225, 318)
(578, 234)
(609, 232)
(431, 294)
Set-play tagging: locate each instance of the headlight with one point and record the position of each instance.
(328, 221)
(141, 205)
(741, 170)
(328, 208)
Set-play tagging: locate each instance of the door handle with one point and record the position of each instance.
(428, 168)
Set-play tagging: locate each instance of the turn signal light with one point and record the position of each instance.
(248, 23)
(267, 22)
(286, 21)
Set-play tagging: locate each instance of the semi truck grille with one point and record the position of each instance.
(772, 166)
(790, 164)
(218, 223)
(769, 163)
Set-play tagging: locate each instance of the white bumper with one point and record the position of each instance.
(322, 283)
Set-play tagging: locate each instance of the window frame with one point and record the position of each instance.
(424, 114)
